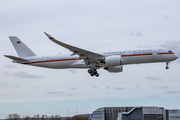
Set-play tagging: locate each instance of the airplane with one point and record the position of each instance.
(112, 61)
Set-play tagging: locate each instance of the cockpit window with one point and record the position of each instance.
(170, 51)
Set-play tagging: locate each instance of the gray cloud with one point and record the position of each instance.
(73, 88)
(95, 98)
(55, 92)
(153, 86)
(137, 34)
(174, 45)
(35, 87)
(152, 78)
(69, 95)
(138, 87)
(73, 71)
(111, 37)
(177, 80)
(23, 74)
(165, 17)
(164, 87)
(173, 92)
(58, 93)
(95, 87)
(1, 84)
(10, 66)
(118, 88)
(154, 96)
(10, 85)
(108, 87)
(99, 98)
(17, 85)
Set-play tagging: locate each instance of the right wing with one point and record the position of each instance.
(91, 58)
(17, 59)
(75, 50)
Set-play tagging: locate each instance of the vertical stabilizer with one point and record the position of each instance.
(21, 49)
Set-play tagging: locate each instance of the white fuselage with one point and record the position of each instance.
(134, 56)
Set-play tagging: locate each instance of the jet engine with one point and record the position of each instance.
(112, 60)
(114, 69)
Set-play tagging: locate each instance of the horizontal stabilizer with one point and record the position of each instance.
(17, 59)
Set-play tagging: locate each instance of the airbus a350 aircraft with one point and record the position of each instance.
(80, 58)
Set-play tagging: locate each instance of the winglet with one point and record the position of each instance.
(50, 37)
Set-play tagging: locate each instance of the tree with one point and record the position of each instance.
(79, 118)
(68, 118)
(14, 116)
(36, 117)
(44, 117)
(55, 117)
(27, 117)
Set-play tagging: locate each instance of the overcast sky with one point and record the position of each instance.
(95, 25)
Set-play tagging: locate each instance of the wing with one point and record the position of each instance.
(75, 50)
(90, 58)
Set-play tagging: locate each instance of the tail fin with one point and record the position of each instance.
(21, 49)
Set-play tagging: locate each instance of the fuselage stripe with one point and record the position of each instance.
(52, 61)
(135, 55)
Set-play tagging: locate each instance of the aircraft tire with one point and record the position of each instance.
(92, 74)
(89, 71)
(94, 71)
(167, 67)
(97, 74)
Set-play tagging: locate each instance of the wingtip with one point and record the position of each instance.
(12, 36)
(50, 37)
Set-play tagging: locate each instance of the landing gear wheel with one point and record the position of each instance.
(97, 74)
(94, 71)
(89, 71)
(92, 74)
(167, 67)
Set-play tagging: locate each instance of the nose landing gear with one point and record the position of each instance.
(167, 67)
(93, 72)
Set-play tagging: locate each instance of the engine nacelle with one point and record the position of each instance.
(114, 69)
(113, 60)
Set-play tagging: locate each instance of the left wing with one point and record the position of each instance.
(89, 57)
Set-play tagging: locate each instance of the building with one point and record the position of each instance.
(172, 114)
(109, 113)
(135, 113)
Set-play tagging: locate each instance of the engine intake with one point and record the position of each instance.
(113, 60)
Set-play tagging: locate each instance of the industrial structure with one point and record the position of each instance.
(136, 113)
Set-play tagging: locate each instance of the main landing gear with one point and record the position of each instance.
(93, 72)
(167, 67)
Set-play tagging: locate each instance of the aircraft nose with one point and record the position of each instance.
(175, 56)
